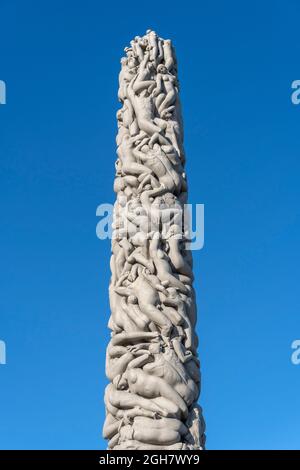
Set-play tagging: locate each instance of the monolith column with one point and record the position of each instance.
(152, 362)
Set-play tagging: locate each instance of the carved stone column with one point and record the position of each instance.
(151, 402)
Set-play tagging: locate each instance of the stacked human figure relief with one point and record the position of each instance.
(152, 363)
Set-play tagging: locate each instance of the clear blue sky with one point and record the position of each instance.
(60, 61)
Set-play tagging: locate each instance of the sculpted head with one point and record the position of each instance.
(175, 230)
(120, 382)
(119, 184)
(143, 42)
(132, 63)
(133, 204)
(170, 199)
(128, 51)
(145, 148)
(162, 69)
(139, 270)
(132, 275)
(160, 254)
(140, 211)
(150, 67)
(119, 115)
(157, 148)
(172, 292)
(146, 271)
(158, 201)
(121, 200)
(132, 299)
(132, 376)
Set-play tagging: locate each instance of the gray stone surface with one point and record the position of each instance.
(151, 402)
